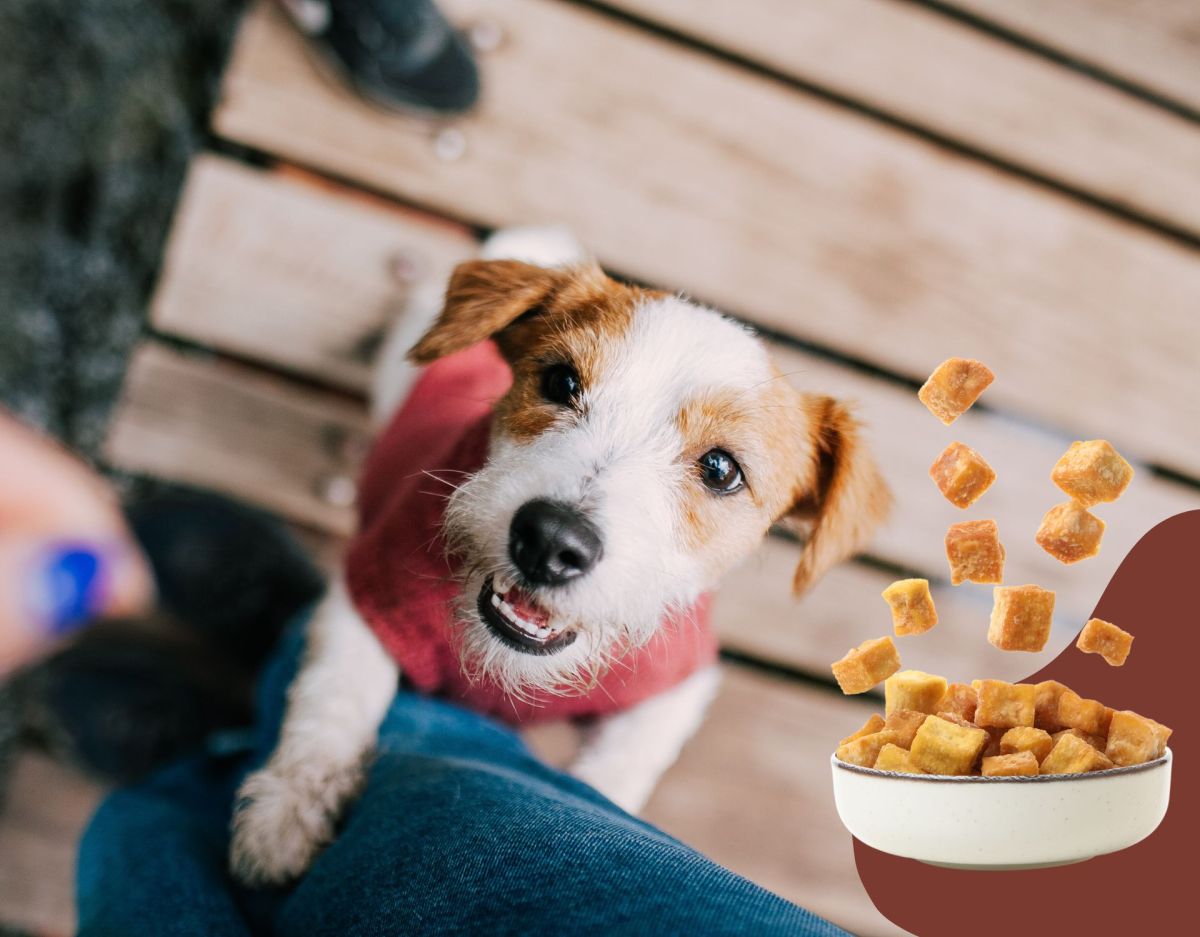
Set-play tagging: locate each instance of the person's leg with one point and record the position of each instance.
(154, 858)
(462, 831)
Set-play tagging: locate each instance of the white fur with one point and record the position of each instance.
(289, 808)
(622, 464)
(618, 461)
(624, 755)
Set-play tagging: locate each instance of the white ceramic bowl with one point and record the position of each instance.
(1002, 823)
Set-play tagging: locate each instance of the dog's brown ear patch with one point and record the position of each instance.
(849, 499)
(483, 297)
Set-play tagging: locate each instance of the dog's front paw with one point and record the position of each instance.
(283, 820)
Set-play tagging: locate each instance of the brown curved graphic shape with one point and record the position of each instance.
(1153, 595)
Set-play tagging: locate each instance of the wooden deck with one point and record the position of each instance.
(879, 184)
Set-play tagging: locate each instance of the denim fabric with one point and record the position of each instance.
(460, 830)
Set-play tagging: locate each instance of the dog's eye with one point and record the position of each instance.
(560, 384)
(720, 472)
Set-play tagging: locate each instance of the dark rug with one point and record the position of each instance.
(102, 103)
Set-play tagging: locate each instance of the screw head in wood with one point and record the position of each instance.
(450, 145)
(337, 490)
(486, 35)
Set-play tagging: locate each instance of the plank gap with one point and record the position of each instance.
(1156, 224)
(1059, 56)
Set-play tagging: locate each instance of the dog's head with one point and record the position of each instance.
(645, 447)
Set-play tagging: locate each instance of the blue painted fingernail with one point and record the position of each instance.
(69, 589)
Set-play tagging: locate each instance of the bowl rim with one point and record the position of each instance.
(1020, 779)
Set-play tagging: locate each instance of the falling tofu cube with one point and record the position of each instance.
(912, 606)
(915, 690)
(954, 385)
(1069, 532)
(1106, 639)
(866, 665)
(961, 475)
(943, 747)
(1134, 739)
(974, 552)
(1092, 472)
(1021, 618)
(1072, 755)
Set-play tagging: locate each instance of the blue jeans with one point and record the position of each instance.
(460, 830)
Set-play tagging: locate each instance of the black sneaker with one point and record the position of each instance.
(400, 54)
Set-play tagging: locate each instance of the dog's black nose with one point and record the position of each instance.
(551, 542)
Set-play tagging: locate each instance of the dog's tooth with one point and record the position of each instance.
(543, 632)
(495, 600)
(501, 583)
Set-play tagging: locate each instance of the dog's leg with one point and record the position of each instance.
(624, 755)
(289, 809)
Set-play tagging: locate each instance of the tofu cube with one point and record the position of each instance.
(1087, 715)
(961, 700)
(1027, 739)
(974, 552)
(894, 758)
(912, 606)
(953, 386)
(1106, 639)
(915, 690)
(866, 665)
(1021, 617)
(872, 725)
(961, 475)
(1092, 472)
(1005, 705)
(903, 724)
(863, 751)
(1013, 765)
(942, 747)
(1072, 755)
(1048, 693)
(1134, 739)
(1070, 533)
(1098, 742)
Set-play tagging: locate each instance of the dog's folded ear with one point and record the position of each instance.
(849, 498)
(482, 298)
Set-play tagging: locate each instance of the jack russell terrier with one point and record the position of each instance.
(566, 465)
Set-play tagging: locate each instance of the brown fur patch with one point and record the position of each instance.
(537, 317)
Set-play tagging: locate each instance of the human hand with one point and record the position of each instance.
(66, 555)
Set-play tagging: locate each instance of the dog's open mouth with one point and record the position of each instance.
(513, 616)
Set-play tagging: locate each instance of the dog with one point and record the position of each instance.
(570, 466)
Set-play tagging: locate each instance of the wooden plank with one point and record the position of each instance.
(682, 171)
(1151, 43)
(226, 427)
(965, 85)
(317, 340)
(331, 275)
(752, 790)
(263, 439)
(46, 808)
